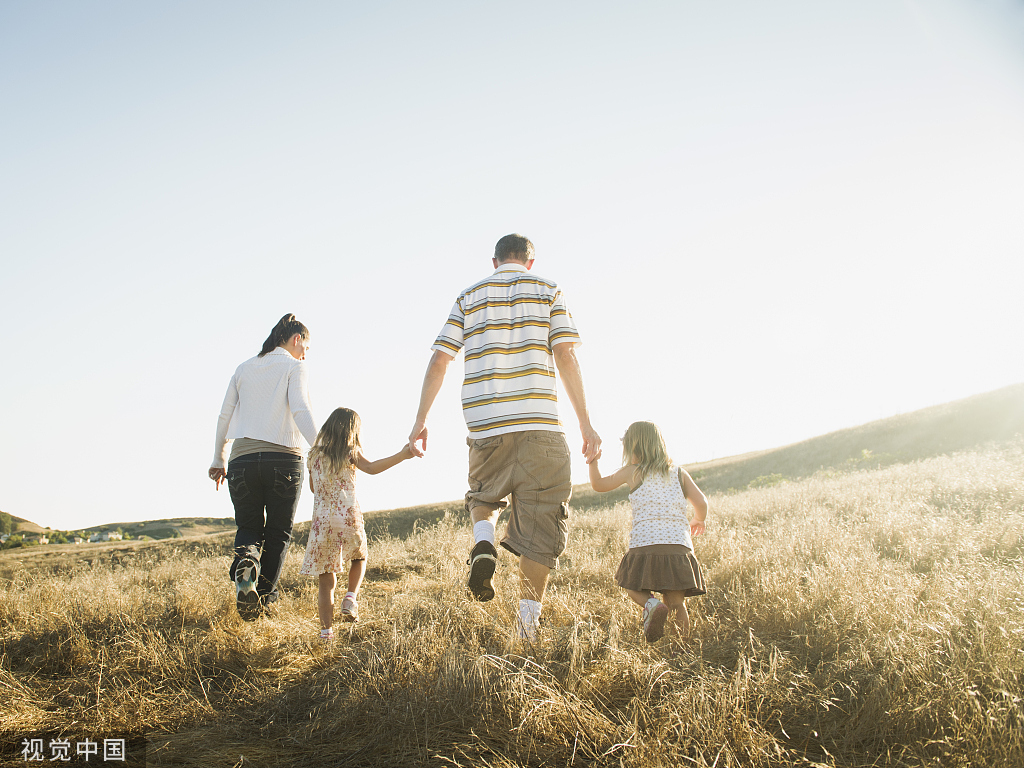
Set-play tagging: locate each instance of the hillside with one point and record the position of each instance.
(176, 527)
(21, 525)
(959, 425)
(843, 626)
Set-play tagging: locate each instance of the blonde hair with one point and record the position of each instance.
(643, 440)
(338, 440)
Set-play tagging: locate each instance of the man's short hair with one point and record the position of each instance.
(513, 248)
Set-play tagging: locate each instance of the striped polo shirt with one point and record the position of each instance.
(508, 324)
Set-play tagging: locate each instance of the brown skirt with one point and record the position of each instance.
(661, 568)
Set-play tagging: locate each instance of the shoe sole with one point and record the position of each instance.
(656, 626)
(349, 616)
(247, 600)
(480, 572)
(248, 604)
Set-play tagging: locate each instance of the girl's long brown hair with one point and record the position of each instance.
(644, 440)
(338, 440)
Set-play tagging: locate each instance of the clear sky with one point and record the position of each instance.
(770, 220)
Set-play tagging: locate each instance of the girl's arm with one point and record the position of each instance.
(697, 498)
(378, 466)
(613, 481)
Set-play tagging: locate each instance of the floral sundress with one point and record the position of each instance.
(337, 534)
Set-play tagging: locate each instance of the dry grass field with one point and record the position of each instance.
(858, 616)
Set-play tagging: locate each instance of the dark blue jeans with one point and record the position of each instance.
(265, 490)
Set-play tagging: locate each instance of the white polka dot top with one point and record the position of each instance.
(659, 512)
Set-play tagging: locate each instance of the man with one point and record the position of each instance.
(515, 331)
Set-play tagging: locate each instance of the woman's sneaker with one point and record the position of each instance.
(653, 623)
(482, 561)
(349, 609)
(247, 572)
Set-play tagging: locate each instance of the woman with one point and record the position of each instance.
(266, 413)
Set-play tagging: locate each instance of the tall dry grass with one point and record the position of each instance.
(861, 619)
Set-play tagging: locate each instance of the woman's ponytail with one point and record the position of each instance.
(286, 327)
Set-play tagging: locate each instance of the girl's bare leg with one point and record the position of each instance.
(640, 598)
(680, 617)
(355, 575)
(325, 600)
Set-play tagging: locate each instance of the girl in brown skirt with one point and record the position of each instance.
(660, 555)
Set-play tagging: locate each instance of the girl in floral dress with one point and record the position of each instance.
(337, 534)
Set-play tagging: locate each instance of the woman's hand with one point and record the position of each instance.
(217, 474)
(696, 527)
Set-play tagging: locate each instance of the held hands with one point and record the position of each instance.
(419, 433)
(591, 443)
(217, 474)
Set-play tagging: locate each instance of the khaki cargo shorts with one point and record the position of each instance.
(532, 467)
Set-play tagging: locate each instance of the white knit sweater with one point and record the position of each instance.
(267, 399)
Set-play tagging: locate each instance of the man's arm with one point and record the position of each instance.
(572, 379)
(432, 381)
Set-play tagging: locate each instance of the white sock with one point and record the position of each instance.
(483, 531)
(529, 619)
(350, 594)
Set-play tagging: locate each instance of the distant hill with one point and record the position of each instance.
(177, 527)
(171, 528)
(956, 426)
(21, 525)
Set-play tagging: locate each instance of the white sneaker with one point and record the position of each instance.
(653, 622)
(349, 609)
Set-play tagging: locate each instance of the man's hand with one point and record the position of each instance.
(217, 474)
(419, 433)
(572, 379)
(591, 444)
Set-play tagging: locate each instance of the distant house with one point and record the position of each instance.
(77, 540)
(106, 536)
(4, 537)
